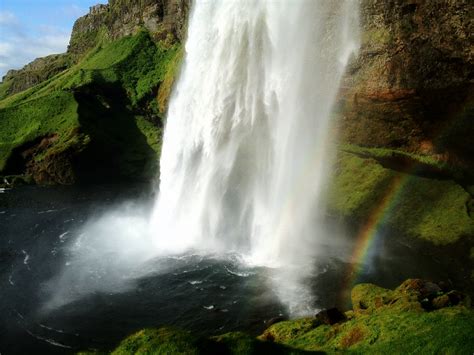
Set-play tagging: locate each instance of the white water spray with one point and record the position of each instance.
(245, 153)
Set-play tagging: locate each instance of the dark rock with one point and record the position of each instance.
(455, 297)
(429, 290)
(412, 79)
(421, 288)
(330, 316)
(440, 302)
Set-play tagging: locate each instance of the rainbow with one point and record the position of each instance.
(367, 235)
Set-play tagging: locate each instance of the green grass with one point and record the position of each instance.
(158, 341)
(134, 67)
(391, 153)
(54, 113)
(174, 341)
(4, 87)
(390, 322)
(430, 209)
(447, 331)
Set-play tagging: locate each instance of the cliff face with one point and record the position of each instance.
(95, 112)
(406, 125)
(165, 20)
(412, 85)
(36, 72)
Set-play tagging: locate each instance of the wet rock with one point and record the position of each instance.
(456, 297)
(367, 298)
(330, 316)
(413, 74)
(421, 288)
(440, 302)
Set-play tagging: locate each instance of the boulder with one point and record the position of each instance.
(330, 316)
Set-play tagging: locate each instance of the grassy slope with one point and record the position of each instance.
(446, 331)
(386, 321)
(134, 65)
(430, 209)
(383, 321)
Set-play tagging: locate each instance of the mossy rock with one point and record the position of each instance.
(429, 209)
(385, 321)
(158, 341)
(174, 341)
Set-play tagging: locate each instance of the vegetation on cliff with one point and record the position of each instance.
(100, 118)
(432, 209)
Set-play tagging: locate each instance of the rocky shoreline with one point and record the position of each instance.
(417, 317)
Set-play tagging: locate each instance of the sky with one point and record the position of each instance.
(35, 28)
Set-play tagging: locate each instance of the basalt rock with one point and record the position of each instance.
(119, 18)
(411, 86)
(330, 316)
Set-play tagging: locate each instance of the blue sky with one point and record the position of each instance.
(35, 28)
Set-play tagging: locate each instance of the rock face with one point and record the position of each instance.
(406, 123)
(412, 85)
(36, 72)
(165, 19)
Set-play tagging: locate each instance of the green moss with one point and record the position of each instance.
(152, 133)
(391, 322)
(430, 209)
(174, 341)
(50, 114)
(378, 36)
(4, 88)
(357, 186)
(383, 321)
(285, 331)
(443, 331)
(164, 93)
(158, 341)
(381, 153)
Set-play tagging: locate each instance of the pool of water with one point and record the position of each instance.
(52, 302)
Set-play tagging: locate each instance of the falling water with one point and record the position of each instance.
(245, 153)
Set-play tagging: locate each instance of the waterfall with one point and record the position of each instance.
(245, 150)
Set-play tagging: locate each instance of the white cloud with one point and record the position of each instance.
(8, 18)
(73, 10)
(5, 49)
(18, 46)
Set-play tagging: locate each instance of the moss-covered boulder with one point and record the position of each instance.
(386, 321)
(159, 341)
(174, 341)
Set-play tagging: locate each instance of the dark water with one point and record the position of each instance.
(203, 294)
